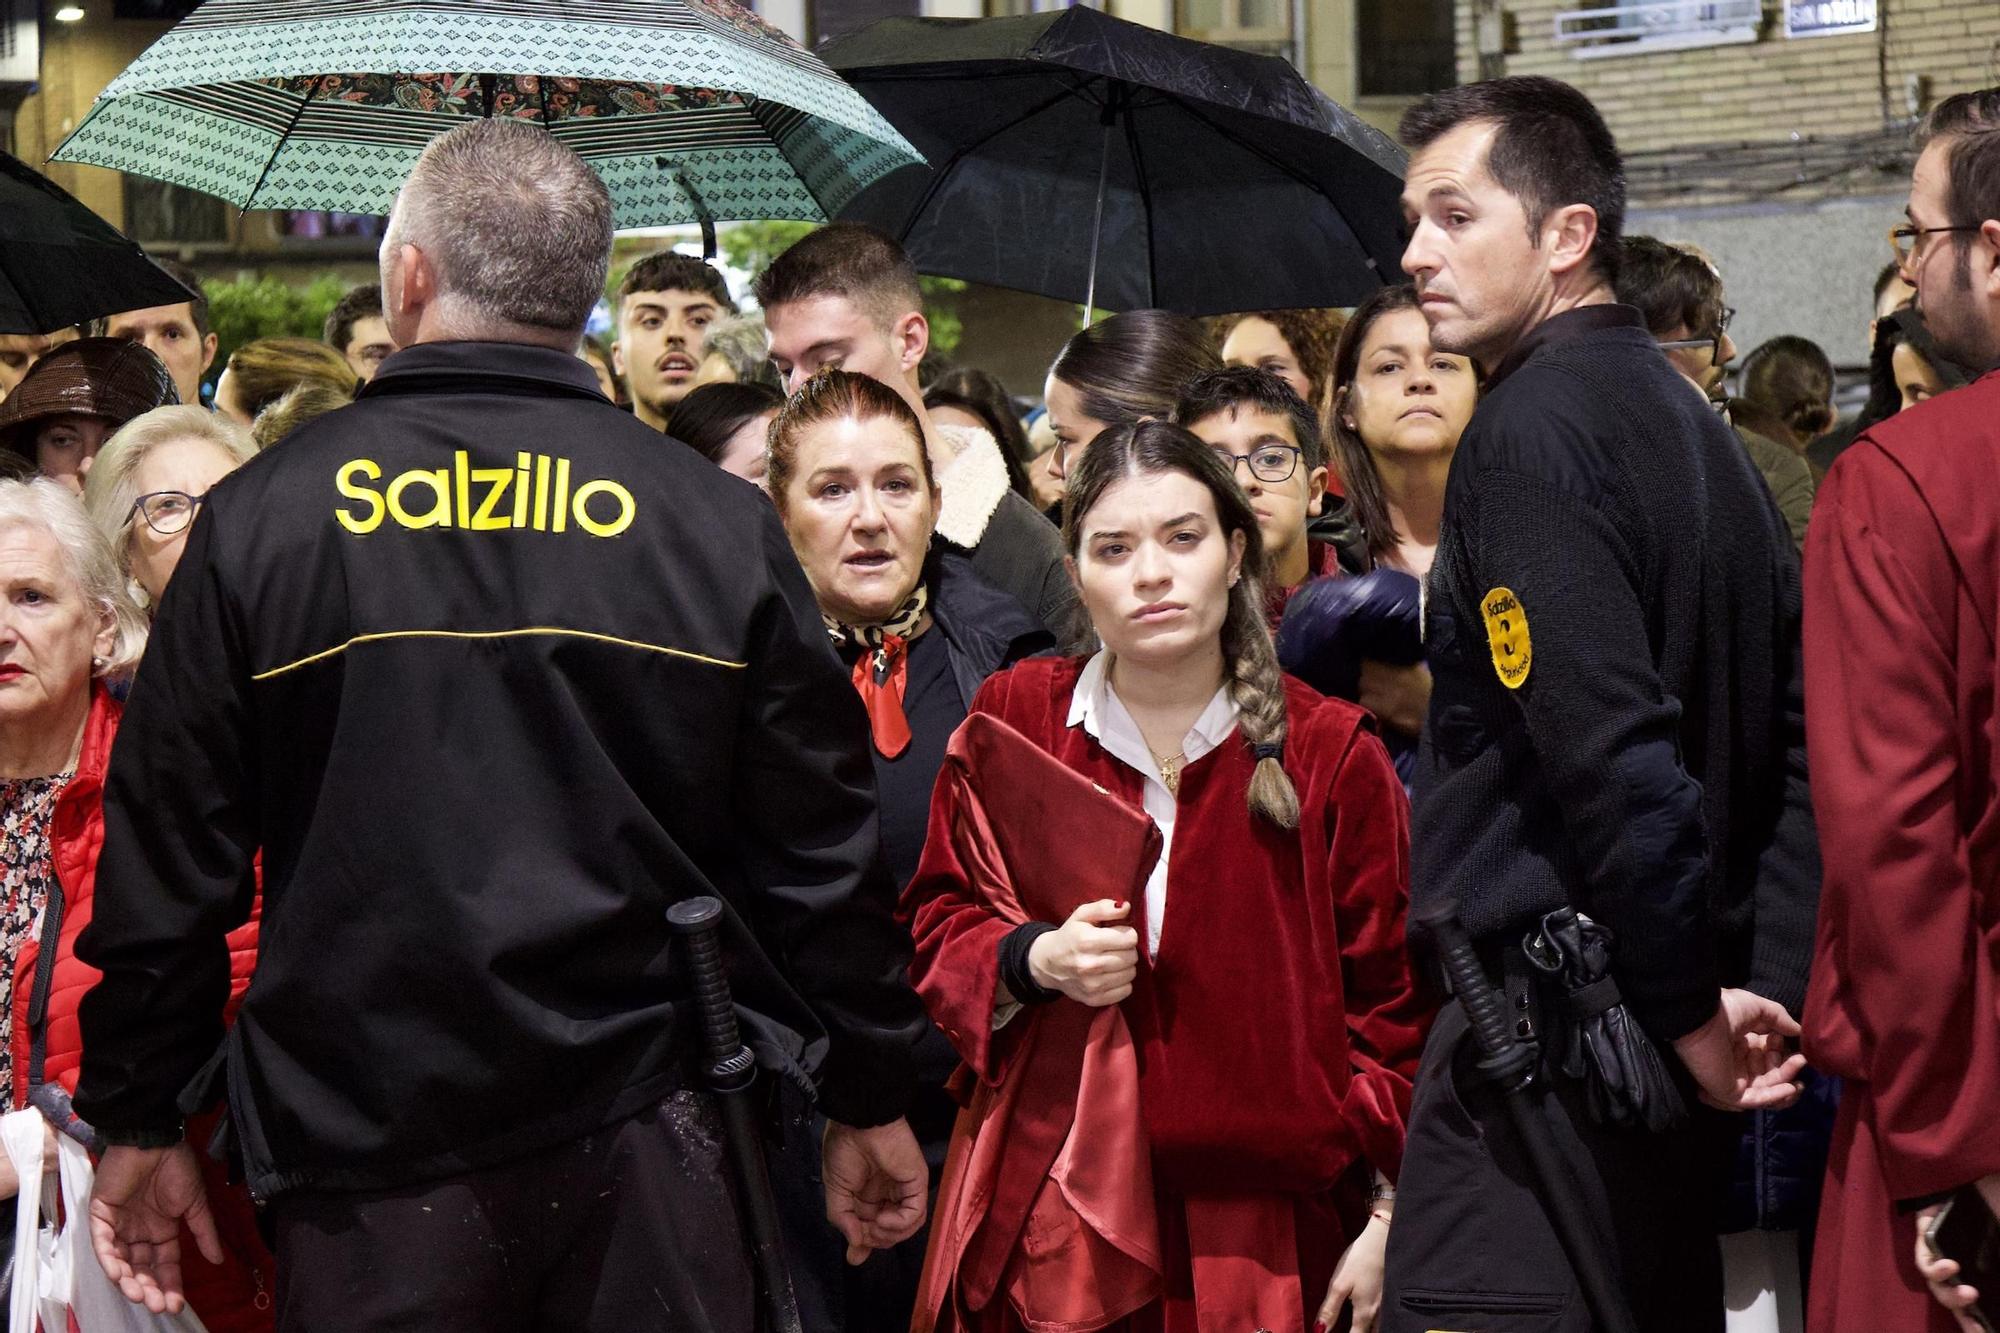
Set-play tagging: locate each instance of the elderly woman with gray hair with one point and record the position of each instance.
(148, 481)
(68, 631)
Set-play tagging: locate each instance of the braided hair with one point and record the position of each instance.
(1256, 684)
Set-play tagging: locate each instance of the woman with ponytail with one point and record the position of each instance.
(1231, 1140)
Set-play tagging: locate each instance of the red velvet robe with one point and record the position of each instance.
(1277, 1029)
(1902, 581)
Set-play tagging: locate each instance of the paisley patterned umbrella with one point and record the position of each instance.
(690, 110)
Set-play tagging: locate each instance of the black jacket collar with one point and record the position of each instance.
(1583, 322)
(468, 367)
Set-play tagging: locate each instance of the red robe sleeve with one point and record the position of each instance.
(1906, 999)
(956, 968)
(1388, 1011)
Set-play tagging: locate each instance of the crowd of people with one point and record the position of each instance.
(1090, 791)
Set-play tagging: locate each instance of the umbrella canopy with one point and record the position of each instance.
(327, 103)
(1069, 145)
(62, 264)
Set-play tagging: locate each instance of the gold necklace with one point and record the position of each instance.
(1170, 770)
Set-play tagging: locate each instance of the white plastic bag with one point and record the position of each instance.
(56, 1273)
(22, 1134)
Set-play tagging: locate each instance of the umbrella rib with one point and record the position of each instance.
(279, 147)
(960, 154)
(1254, 150)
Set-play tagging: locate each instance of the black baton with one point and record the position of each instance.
(731, 1071)
(1510, 1063)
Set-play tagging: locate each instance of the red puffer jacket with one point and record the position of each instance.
(234, 1297)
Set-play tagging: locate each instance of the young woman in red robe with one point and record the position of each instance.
(1186, 1100)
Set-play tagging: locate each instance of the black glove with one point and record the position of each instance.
(1625, 1080)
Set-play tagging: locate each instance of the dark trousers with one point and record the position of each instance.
(631, 1228)
(1471, 1247)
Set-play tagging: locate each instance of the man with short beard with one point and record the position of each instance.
(1902, 586)
(1615, 728)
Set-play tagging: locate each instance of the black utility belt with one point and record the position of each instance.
(1562, 995)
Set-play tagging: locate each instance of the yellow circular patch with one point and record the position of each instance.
(1507, 635)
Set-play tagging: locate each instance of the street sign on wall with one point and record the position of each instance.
(1828, 18)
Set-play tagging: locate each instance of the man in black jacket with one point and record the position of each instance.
(1616, 727)
(490, 680)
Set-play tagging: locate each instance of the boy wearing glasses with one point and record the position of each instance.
(1262, 429)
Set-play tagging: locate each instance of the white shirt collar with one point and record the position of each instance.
(1096, 706)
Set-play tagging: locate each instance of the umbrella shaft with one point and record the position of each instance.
(1097, 223)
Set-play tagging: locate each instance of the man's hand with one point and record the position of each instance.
(140, 1199)
(877, 1186)
(1942, 1274)
(1738, 1058)
(1398, 696)
(1090, 957)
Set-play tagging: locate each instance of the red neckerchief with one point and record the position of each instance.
(882, 675)
(1322, 561)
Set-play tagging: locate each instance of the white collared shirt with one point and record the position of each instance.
(1096, 707)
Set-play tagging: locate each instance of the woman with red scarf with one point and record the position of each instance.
(920, 632)
(1185, 1101)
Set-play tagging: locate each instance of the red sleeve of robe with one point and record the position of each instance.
(1906, 985)
(1388, 1012)
(956, 966)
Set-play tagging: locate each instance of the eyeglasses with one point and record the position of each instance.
(1903, 239)
(168, 512)
(1711, 340)
(1271, 463)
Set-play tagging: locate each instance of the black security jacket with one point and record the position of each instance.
(1648, 767)
(492, 674)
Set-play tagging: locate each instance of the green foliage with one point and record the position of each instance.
(243, 311)
(751, 246)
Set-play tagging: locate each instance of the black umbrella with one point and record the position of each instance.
(1091, 159)
(62, 264)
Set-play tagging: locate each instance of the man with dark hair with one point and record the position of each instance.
(355, 329)
(178, 334)
(1678, 293)
(1901, 679)
(847, 296)
(666, 302)
(488, 684)
(1260, 427)
(1615, 730)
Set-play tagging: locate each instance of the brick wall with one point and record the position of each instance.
(1759, 91)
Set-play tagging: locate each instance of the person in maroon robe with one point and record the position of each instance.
(1902, 588)
(1225, 1155)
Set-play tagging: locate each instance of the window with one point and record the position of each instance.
(302, 225)
(1255, 25)
(159, 214)
(845, 16)
(996, 9)
(1405, 47)
(1632, 27)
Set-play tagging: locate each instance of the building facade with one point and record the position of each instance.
(1773, 133)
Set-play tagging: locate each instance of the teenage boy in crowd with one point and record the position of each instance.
(357, 331)
(665, 305)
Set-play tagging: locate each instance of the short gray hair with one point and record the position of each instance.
(744, 343)
(517, 226)
(112, 485)
(46, 504)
